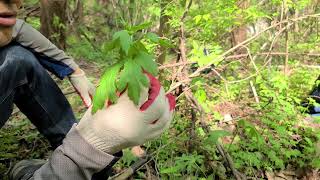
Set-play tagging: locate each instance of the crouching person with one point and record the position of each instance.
(312, 109)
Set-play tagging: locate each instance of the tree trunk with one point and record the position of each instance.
(131, 10)
(163, 30)
(78, 12)
(75, 15)
(240, 33)
(53, 21)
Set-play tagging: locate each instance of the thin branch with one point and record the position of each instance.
(286, 64)
(251, 59)
(172, 65)
(290, 22)
(254, 91)
(229, 160)
(186, 11)
(132, 169)
(251, 39)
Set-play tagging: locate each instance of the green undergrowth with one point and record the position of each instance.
(273, 137)
(20, 140)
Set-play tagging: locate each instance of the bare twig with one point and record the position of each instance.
(133, 168)
(286, 64)
(251, 59)
(229, 160)
(282, 12)
(254, 91)
(186, 11)
(275, 38)
(172, 65)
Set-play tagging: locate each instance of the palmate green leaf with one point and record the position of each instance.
(128, 73)
(173, 170)
(135, 49)
(146, 61)
(107, 89)
(140, 46)
(108, 46)
(215, 135)
(132, 77)
(161, 41)
(125, 40)
(251, 131)
(316, 163)
(134, 29)
(166, 43)
(153, 37)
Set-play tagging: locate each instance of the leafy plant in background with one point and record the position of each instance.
(127, 73)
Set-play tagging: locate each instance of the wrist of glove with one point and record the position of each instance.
(83, 87)
(125, 124)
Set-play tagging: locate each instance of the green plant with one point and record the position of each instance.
(133, 60)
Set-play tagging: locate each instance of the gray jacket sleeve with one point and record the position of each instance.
(29, 37)
(74, 159)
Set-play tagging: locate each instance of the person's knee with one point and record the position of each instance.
(20, 58)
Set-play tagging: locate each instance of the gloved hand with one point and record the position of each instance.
(83, 87)
(124, 124)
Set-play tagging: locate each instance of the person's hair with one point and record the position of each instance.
(6, 1)
(18, 2)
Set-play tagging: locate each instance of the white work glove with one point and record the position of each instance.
(83, 87)
(124, 124)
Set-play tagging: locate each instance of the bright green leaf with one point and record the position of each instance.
(108, 46)
(166, 43)
(139, 27)
(146, 61)
(153, 37)
(107, 88)
(125, 40)
(132, 77)
(215, 135)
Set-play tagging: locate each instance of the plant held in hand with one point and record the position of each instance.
(128, 73)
